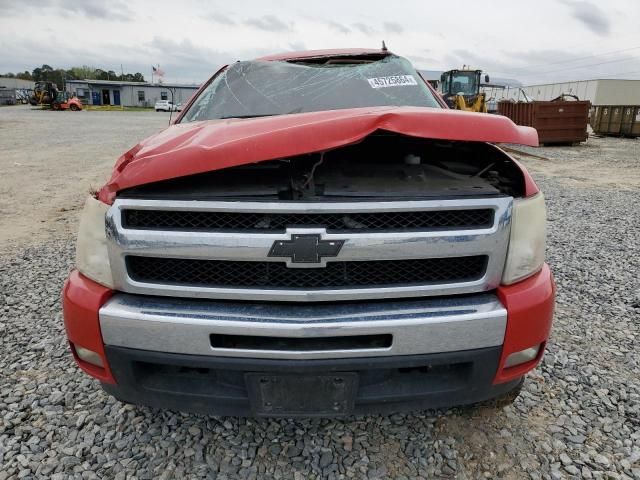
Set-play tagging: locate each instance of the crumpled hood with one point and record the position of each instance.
(198, 147)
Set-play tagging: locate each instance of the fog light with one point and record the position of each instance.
(89, 356)
(523, 356)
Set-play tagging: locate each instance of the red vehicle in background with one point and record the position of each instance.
(47, 94)
(318, 234)
(64, 101)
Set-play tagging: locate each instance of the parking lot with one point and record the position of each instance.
(578, 415)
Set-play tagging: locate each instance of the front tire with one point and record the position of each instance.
(73, 107)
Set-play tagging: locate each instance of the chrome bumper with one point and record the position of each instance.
(430, 325)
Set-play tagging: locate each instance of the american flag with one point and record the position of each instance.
(157, 71)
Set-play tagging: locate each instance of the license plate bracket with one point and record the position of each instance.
(302, 395)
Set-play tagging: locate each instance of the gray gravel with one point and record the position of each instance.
(578, 416)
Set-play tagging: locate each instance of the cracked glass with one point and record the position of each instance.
(267, 88)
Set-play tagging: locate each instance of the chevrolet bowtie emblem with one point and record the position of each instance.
(307, 249)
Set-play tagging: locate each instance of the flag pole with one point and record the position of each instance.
(122, 80)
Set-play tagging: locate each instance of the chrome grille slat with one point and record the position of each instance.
(250, 249)
(277, 222)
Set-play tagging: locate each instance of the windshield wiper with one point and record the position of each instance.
(295, 110)
(250, 116)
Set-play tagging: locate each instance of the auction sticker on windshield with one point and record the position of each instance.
(392, 81)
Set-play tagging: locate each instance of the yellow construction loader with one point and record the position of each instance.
(461, 90)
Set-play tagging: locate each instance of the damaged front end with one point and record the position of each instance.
(383, 166)
(195, 148)
(305, 217)
(273, 109)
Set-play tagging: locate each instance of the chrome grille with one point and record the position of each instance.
(406, 248)
(261, 222)
(216, 273)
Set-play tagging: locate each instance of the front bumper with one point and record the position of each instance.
(217, 385)
(144, 341)
(298, 332)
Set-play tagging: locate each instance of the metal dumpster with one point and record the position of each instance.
(623, 121)
(556, 121)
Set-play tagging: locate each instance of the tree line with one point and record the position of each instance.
(46, 73)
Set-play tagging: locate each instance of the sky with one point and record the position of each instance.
(535, 42)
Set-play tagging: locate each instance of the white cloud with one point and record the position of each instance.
(221, 18)
(192, 39)
(269, 23)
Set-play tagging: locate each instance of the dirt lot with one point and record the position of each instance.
(50, 160)
(578, 416)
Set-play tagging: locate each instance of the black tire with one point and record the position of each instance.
(73, 107)
(157, 109)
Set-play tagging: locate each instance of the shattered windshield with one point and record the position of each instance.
(265, 88)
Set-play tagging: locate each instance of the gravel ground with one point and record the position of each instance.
(578, 415)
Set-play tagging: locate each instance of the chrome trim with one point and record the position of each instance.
(417, 326)
(310, 207)
(492, 241)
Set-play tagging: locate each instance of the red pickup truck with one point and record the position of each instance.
(317, 234)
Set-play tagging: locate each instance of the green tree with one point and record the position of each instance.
(42, 74)
(46, 73)
(83, 73)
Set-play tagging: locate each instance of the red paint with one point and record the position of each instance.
(530, 187)
(66, 105)
(81, 301)
(198, 147)
(529, 305)
(76, 102)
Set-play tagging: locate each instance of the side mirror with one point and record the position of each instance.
(486, 79)
(443, 77)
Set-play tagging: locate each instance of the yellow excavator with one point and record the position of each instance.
(461, 90)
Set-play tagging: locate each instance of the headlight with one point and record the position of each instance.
(526, 246)
(92, 256)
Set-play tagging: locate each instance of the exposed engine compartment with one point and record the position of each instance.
(384, 165)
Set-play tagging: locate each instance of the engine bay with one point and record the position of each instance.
(383, 166)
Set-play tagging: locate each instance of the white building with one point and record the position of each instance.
(128, 94)
(14, 89)
(598, 92)
(16, 83)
